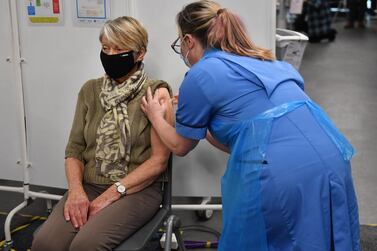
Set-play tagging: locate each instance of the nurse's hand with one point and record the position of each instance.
(153, 106)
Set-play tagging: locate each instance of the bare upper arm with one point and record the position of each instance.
(164, 97)
(159, 150)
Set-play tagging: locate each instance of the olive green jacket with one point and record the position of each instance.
(89, 112)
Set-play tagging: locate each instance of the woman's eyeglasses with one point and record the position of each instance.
(176, 46)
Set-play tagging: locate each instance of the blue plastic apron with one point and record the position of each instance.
(243, 223)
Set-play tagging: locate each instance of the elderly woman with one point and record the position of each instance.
(115, 161)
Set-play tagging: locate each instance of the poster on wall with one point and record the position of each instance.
(44, 12)
(91, 12)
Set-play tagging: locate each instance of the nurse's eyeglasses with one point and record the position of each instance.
(176, 46)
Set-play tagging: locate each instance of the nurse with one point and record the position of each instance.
(288, 183)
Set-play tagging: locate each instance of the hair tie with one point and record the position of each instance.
(219, 11)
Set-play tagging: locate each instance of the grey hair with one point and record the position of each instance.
(126, 33)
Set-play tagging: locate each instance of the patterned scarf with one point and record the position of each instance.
(113, 134)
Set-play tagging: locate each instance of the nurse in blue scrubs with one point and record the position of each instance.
(288, 183)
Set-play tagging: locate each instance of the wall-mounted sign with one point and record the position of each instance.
(91, 12)
(47, 12)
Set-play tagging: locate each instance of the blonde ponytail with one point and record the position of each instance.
(216, 27)
(228, 33)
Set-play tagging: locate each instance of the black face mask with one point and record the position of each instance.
(118, 65)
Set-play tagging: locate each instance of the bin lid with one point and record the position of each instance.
(289, 35)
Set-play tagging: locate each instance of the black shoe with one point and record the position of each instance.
(314, 39)
(332, 35)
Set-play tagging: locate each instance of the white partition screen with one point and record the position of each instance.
(9, 116)
(59, 59)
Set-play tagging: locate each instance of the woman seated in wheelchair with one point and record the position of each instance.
(114, 160)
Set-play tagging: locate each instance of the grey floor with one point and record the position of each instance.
(341, 77)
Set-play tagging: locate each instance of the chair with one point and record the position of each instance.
(139, 239)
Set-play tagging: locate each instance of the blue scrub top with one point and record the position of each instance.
(228, 87)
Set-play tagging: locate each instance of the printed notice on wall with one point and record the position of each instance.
(91, 12)
(44, 12)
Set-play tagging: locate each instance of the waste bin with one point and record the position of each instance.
(290, 46)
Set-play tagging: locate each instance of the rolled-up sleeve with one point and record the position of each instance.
(76, 142)
(194, 108)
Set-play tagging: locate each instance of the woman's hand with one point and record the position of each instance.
(102, 201)
(152, 106)
(76, 207)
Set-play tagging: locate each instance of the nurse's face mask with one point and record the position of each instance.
(117, 65)
(177, 48)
